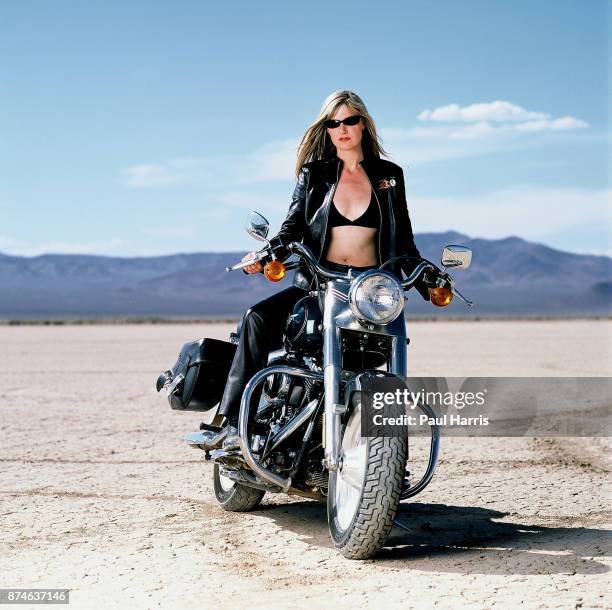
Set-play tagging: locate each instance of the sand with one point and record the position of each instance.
(99, 494)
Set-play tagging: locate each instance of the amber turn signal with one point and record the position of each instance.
(440, 296)
(274, 271)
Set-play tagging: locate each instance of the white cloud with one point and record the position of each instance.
(486, 111)
(269, 163)
(485, 129)
(510, 117)
(148, 175)
(441, 142)
(273, 162)
(566, 122)
(177, 171)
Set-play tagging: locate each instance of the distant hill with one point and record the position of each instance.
(507, 277)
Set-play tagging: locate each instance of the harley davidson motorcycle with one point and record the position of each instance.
(300, 417)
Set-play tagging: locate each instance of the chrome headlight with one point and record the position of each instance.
(376, 297)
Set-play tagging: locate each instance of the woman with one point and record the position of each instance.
(349, 208)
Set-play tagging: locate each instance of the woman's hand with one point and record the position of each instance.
(255, 267)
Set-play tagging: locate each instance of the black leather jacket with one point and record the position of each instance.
(306, 220)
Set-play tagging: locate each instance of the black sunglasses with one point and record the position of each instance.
(350, 120)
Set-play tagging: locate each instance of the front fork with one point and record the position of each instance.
(332, 374)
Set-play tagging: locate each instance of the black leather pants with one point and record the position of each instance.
(262, 331)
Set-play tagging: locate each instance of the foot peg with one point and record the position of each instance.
(205, 440)
(232, 440)
(226, 453)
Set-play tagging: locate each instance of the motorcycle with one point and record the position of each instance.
(303, 437)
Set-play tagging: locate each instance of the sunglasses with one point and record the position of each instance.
(351, 120)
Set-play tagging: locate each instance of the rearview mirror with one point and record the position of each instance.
(459, 257)
(257, 226)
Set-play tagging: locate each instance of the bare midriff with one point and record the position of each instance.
(352, 246)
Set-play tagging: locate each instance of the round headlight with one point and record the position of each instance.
(376, 297)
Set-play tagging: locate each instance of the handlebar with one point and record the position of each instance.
(306, 255)
(439, 277)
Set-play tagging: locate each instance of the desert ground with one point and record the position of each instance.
(99, 494)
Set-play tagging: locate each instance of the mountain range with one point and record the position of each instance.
(508, 276)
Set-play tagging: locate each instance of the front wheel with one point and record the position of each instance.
(233, 496)
(364, 493)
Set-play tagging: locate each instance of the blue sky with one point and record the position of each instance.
(139, 128)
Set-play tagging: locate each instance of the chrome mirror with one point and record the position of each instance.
(459, 257)
(257, 226)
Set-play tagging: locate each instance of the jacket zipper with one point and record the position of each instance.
(380, 261)
(324, 235)
(393, 227)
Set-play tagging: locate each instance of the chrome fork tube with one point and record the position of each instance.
(332, 374)
(399, 348)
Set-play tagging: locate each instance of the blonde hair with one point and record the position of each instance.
(316, 143)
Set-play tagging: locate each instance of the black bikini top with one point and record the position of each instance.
(370, 218)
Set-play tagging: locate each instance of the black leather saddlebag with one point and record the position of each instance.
(197, 379)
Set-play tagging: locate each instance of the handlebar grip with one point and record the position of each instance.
(430, 278)
(280, 250)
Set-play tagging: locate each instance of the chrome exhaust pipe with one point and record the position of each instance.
(292, 425)
(263, 473)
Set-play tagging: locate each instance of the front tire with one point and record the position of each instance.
(364, 494)
(233, 496)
